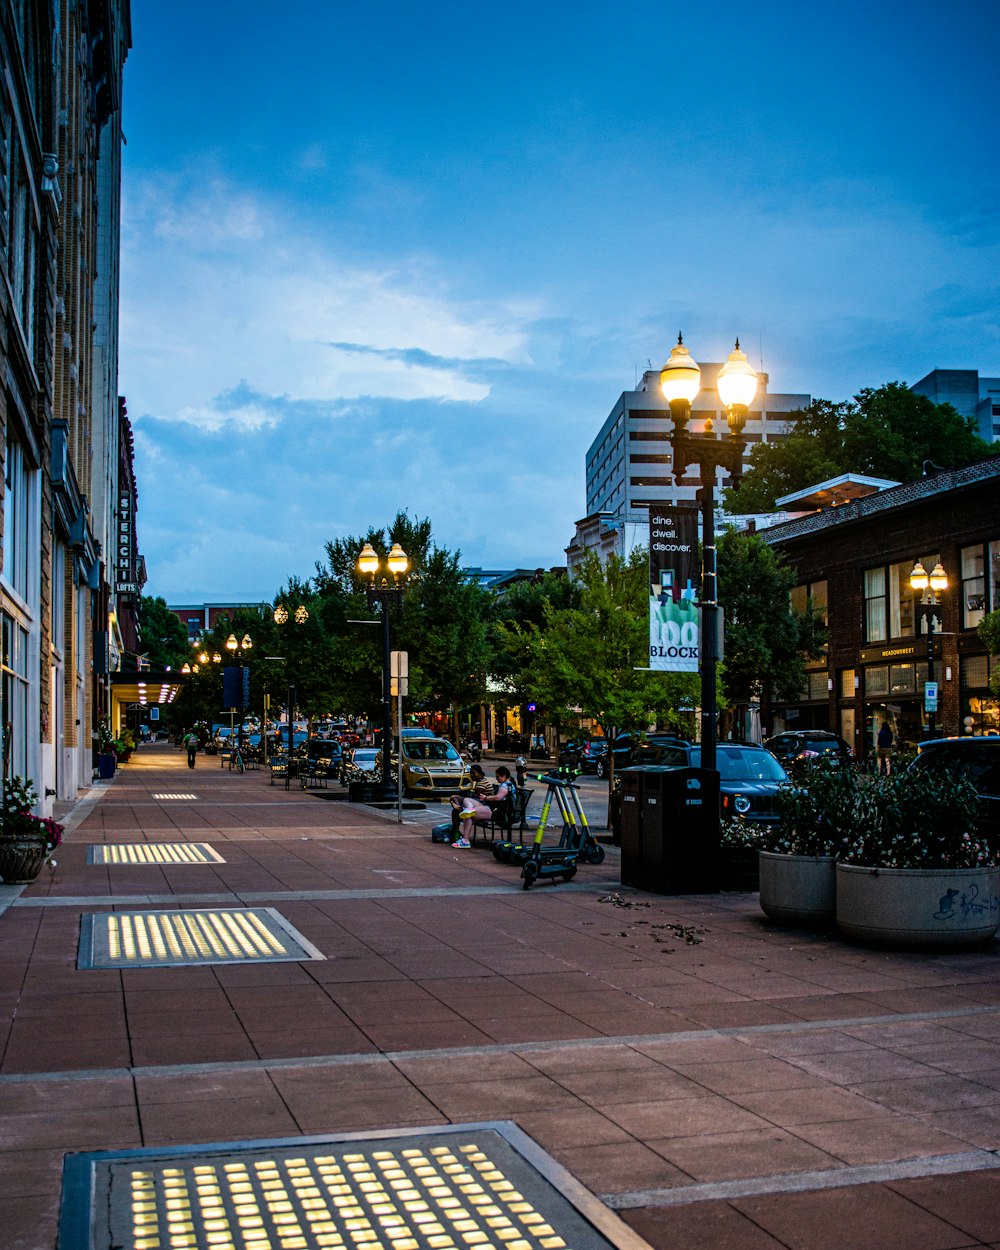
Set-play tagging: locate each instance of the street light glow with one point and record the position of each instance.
(737, 380)
(680, 377)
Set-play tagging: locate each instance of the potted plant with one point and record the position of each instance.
(26, 841)
(817, 813)
(124, 744)
(917, 873)
(739, 848)
(107, 757)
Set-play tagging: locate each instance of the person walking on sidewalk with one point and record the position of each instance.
(190, 744)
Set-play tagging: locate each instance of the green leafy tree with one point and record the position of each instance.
(889, 432)
(589, 659)
(767, 642)
(164, 636)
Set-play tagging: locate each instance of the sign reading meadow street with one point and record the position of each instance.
(674, 627)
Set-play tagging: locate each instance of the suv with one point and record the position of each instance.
(977, 760)
(432, 765)
(585, 754)
(630, 749)
(749, 778)
(807, 745)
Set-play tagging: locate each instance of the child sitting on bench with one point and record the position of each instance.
(481, 806)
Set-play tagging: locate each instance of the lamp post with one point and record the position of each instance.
(385, 589)
(931, 609)
(680, 381)
(238, 650)
(299, 616)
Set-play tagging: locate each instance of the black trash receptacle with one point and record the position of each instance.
(670, 830)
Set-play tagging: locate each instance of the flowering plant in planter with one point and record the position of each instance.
(918, 819)
(818, 812)
(741, 835)
(18, 824)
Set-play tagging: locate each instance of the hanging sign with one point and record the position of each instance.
(674, 627)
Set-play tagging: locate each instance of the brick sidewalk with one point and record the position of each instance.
(719, 1081)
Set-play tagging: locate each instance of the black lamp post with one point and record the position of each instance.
(238, 651)
(930, 609)
(385, 589)
(299, 616)
(680, 381)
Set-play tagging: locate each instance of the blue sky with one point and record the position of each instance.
(398, 256)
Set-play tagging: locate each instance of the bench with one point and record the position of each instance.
(508, 816)
(317, 773)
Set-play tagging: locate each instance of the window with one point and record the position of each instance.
(15, 698)
(847, 679)
(980, 582)
(817, 592)
(17, 514)
(58, 597)
(889, 600)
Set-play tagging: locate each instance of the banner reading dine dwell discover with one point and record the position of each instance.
(674, 619)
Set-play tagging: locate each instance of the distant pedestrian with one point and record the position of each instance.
(190, 743)
(883, 749)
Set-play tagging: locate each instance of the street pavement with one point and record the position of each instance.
(717, 1081)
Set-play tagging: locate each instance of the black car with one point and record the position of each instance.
(749, 778)
(632, 749)
(585, 754)
(977, 760)
(809, 745)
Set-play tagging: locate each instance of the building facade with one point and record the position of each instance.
(854, 561)
(59, 92)
(969, 394)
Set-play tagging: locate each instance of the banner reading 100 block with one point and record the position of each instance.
(674, 618)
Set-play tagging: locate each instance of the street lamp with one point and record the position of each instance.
(299, 616)
(930, 608)
(238, 650)
(680, 381)
(385, 589)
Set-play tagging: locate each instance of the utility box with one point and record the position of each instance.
(670, 829)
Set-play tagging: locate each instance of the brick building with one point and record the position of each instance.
(855, 560)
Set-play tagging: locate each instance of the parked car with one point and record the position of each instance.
(749, 777)
(583, 753)
(317, 749)
(361, 764)
(632, 749)
(808, 744)
(977, 760)
(433, 765)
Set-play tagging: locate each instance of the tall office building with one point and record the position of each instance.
(969, 394)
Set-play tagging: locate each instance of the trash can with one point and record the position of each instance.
(106, 765)
(670, 829)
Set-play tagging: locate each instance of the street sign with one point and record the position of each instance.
(399, 664)
(930, 696)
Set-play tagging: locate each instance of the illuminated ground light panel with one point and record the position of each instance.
(153, 853)
(470, 1187)
(176, 939)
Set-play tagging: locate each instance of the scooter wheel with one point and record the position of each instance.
(570, 873)
(596, 854)
(529, 874)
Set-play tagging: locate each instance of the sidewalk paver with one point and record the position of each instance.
(664, 1050)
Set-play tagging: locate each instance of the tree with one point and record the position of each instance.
(592, 659)
(766, 642)
(890, 432)
(988, 630)
(164, 637)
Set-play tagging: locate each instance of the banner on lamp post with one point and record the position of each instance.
(674, 619)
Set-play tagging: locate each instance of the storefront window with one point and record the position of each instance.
(876, 681)
(847, 679)
(15, 699)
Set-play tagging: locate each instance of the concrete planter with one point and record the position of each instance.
(918, 907)
(798, 889)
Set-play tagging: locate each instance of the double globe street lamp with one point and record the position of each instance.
(281, 617)
(930, 609)
(385, 587)
(238, 649)
(680, 382)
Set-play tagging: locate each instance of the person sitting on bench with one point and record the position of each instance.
(483, 808)
(480, 788)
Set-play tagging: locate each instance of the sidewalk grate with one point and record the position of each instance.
(181, 939)
(464, 1187)
(154, 853)
(164, 798)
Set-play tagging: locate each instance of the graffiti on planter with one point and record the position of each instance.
(959, 904)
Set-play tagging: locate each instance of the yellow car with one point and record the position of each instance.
(433, 766)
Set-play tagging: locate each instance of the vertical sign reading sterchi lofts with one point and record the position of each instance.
(674, 627)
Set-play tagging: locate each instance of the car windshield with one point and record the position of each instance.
(736, 764)
(365, 758)
(429, 749)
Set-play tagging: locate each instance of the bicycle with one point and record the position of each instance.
(236, 760)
